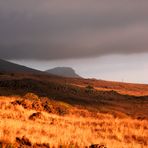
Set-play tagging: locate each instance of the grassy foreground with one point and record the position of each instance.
(35, 123)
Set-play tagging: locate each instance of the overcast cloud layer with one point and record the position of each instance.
(59, 29)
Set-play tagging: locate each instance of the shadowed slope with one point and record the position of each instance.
(6, 66)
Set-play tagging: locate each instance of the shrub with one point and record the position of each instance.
(89, 89)
(12, 74)
(31, 96)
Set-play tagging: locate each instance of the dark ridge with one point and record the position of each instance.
(6, 66)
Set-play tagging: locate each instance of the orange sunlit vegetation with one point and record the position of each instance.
(31, 122)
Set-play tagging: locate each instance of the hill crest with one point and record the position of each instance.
(63, 71)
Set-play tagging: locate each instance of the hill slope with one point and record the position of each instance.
(6, 66)
(71, 112)
(63, 71)
(33, 122)
(116, 99)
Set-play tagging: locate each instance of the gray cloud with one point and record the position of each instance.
(53, 29)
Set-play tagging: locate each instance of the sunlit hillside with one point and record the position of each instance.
(95, 95)
(73, 74)
(42, 111)
(31, 122)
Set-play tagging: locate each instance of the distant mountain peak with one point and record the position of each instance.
(63, 71)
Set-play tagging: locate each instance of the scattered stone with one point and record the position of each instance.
(97, 146)
(23, 142)
(25, 103)
(141, 118)
(35, 116)
(37, 105)
(44, 145)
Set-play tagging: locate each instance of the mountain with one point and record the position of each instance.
(63, 71)
(6, 66)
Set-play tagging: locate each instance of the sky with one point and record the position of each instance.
(105, 39)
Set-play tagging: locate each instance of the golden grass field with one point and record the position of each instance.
(20, 127)
(71, 113)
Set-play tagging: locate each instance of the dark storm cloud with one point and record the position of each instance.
(56, 29)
